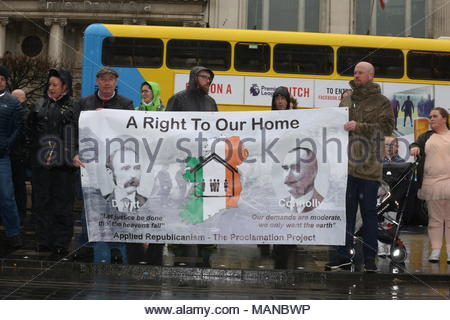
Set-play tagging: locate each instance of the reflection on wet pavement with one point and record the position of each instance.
(224, 272)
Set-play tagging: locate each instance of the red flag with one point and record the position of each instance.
(383, 3)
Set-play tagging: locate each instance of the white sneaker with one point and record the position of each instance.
(384, 249)
(434, 256)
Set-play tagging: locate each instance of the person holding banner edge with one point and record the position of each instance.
(105, 97)
(370, 120)
(50, 130)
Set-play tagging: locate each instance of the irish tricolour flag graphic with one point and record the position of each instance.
(216, 180)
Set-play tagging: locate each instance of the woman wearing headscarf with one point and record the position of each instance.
(50, 130)
(281, 99)
(150, 97)
(433, 147)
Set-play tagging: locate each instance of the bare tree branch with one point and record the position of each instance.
(30, 74)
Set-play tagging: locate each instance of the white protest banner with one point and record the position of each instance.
(274, 177)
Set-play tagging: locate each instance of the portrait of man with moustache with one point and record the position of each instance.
(300, 167)
(123, 166)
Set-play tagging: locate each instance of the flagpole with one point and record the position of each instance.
(370, 17)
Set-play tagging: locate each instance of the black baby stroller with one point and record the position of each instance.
(399, 178)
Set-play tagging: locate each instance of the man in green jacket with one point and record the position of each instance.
(371, 119)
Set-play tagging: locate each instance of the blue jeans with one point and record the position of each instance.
(102, 251)
(8, 207)
(361, 192)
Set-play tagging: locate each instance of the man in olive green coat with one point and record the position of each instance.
(371, 119)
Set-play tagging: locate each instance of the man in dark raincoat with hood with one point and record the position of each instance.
(195, 97)
(51, 127)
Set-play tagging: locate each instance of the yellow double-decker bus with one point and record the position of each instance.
(250, 64)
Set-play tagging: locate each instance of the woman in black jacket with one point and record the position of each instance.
(281, 99)
(50, 133)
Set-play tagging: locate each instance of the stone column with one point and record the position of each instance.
(408, 17)
(227, 14)
(265, 14)
(324, 16)
(439, 24)
(301, 15)
(56, 38)
(373, 21)
(340, 16)
(243, 8)
(3, 22)
(429, 29)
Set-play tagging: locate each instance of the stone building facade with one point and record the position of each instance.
(417, 18)
(55, 28)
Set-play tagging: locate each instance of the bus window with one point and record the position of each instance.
(132, 52)
(185, 54)
(427, 65)
(252, 57)
(388, 63)
(303, 59)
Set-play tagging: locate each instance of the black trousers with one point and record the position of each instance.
(153, 254)
(53, 200)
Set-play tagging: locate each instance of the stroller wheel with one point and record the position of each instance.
(398, 254)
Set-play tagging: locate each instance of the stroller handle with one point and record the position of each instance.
(417, 159)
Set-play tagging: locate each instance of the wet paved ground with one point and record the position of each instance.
(226, 272)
